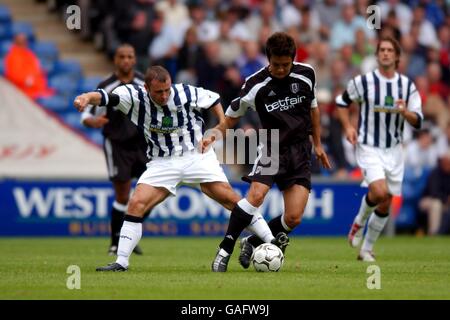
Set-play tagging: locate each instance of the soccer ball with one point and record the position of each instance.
(267, 257)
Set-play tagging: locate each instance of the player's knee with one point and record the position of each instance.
(137, 206)
(379, 195)
(292, 220)
(256, 198)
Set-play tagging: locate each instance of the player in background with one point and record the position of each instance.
(170, 117)
(124, 146)
(387, 99)
(283, 95)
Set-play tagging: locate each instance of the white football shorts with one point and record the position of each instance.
(378, 163)
(191, 168)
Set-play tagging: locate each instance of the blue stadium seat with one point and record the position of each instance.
(72, 118)
(55, 103)
(4, 47)
(24, 27)
(5, 31)
(2, 67)
(64, 84)
(5, 14)
(70, 68)
(47, 53)
(89, 83)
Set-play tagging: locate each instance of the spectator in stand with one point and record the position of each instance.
(22, 67)
(436, 201)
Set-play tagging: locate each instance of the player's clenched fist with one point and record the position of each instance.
(81, 102)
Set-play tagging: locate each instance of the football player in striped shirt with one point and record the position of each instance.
(387, 100)
(170, 118)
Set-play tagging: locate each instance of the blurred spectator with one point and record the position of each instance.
(265, 15)
(414, 56)
(343, 31)
(328, 12)
(133, 23)
(321, 62)
(230, 50)
(163, 50)
(444, 52)
(425, 146)
(436, 198)
(427, 34)
(207, 30)
(251, 61)
(176, 14)
(188, 58)
(22, 67)
(401, 10)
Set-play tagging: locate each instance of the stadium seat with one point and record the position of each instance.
(47, 53)
(2, 67)
(4, 47)
(64, 84)
(69, 68)
(56, 103)
(5, 14)
(89, 84)
(24, 27)
(5, 31)
(72, 118)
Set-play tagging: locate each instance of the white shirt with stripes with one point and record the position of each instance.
(171, 129)
(380, 125)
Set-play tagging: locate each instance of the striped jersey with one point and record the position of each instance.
(171, 129)
(380, 125)
(283, 104)
(118, 128)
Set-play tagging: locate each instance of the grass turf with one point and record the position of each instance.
(179, 269)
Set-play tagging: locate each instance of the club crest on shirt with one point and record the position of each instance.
(295, 87)
(167, 121)
(389, 101)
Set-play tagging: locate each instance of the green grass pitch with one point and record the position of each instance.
(179, 269)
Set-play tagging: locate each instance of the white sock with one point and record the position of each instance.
(283, 223)
(247, 206)
(364, 212)
(374, 228)
(130, 234)
(260, 228)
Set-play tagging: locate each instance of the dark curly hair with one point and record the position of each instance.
(280, 44)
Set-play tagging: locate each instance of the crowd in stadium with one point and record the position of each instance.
(217, 44)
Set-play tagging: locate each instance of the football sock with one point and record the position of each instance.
(260, 228)
(117, 214)
(276, 225)
(130, 234)
(241, 217)
(377, 221)
(365, 210)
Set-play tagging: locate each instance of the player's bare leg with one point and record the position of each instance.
(242, 215)
(375, 226)
(122, 195)
(378, 192)
(144, 198)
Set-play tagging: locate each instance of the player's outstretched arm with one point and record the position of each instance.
(85, 99)
(318, 149)
(219, 131)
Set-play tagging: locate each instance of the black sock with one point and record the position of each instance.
(146, 214)
(370, 203)
(116, 225)
(275, 226)
(381, 214)
(239, 220)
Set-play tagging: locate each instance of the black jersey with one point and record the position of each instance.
(283, 104)
(119, 128)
